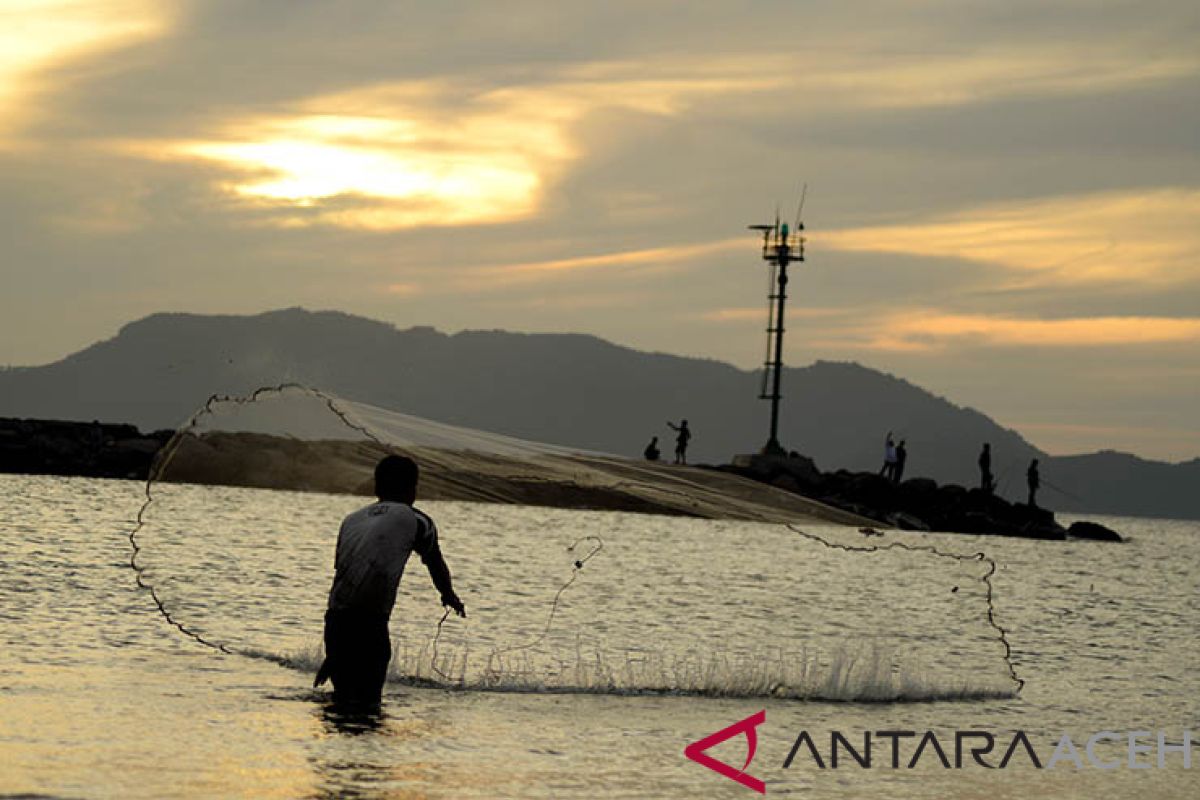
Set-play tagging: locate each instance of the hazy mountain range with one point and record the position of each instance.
(575, 390)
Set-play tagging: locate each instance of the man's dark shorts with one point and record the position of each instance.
(357, 652)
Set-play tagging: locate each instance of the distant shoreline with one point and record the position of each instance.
(79, 449)
(83, 449)
(753, 488)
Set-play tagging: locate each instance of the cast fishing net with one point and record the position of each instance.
(580, 571)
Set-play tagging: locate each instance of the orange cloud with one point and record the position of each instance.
(38, 35)
(402, 289)
(448, 152)
(1115, 238)
(424, 153)
(930, 330)
(646, 258)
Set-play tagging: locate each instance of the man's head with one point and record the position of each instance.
(396, 479)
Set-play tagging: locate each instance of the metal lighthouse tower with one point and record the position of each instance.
(781, 247)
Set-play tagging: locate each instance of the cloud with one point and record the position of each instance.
(645, 258)
(39, 36)
(402, 289)
(424, 153)
(486, 146)
(885, 78)
(1142, 237)
(916, 330)
(884, 328)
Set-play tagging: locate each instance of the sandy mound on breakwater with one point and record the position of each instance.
(560, 480)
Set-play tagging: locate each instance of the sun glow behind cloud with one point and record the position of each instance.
(398, 172)
(406, 155)
(455, 150)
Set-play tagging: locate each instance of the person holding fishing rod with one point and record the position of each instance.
(986, 481)
(1034, 480)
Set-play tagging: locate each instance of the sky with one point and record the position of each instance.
(1002, 198)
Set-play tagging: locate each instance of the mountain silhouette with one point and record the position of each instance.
(570, 389)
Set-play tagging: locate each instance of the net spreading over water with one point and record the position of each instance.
(612, 600)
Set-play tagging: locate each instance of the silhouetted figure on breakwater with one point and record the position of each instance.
(889, 457)
(652, 452)
(681, 440)
(373, 546)
(986, 481)
(1034, 479)
(901, 458)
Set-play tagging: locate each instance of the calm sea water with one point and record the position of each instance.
(674, 629)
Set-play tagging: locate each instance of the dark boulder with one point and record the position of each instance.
(1093, 531)
(872, 490)
(920, 486)
(1044, 530)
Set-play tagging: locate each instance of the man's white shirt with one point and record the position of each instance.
(373, 546)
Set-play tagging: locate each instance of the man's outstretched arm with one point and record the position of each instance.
(440, 574)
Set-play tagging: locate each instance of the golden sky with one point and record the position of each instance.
(993, 198)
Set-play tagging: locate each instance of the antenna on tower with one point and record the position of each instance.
(780, 248)
(800, 207)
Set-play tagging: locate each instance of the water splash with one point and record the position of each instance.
(868, 674)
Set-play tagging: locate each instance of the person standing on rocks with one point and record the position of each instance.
(889, 458)
(898, 467)
(986, 482)
(1034, 479)
(681, 440)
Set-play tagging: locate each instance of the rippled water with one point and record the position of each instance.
(674, 629)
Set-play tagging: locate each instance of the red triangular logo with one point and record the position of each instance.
(695, 751)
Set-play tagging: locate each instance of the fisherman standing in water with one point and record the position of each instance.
(681, 440)
(373, 546)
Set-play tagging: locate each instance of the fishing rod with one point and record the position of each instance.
(1008, 471)
(1061, 490)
